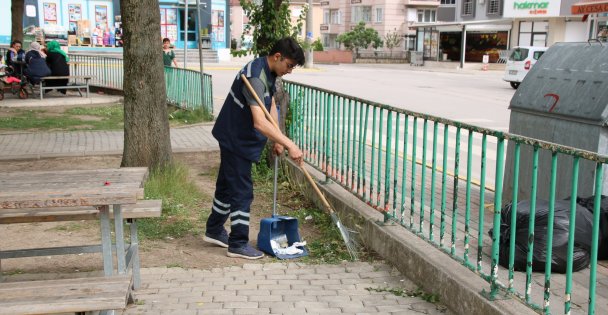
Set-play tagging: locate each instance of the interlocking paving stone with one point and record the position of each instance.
(190, 291)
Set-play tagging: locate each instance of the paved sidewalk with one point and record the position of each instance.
(87, 143)
(279, 288)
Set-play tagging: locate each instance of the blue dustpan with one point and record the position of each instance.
(281, 229)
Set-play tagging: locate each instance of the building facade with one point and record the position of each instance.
(178, 19)
(239, 21)
(385, 16)
(467, 30)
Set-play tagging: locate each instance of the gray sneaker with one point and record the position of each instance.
(246, 252)
(220, 240)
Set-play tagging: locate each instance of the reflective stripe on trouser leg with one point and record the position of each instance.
(221, 202)
(234, 187)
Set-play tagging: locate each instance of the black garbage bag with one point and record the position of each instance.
(582, 236)
(588, 203)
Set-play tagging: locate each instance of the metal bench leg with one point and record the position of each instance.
(135, 256)
(41, 91)
(106, 240)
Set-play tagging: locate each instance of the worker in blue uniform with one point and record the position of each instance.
(242, 130)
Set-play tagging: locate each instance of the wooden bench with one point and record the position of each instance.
(65, 295)
(142, 209)
(75, 85)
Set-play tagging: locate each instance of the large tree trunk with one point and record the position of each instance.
(147, 140)
(17, 7)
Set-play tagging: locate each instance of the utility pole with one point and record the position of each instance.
(309, 61)
(185, 34)
(200, 51)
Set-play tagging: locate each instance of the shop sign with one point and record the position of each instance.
(324, 3)
(355, 1)
(324, 27)
(590, 7)
(531, 8)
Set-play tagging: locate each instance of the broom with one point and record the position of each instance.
(344, 232)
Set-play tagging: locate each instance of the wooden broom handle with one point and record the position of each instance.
(274, 123)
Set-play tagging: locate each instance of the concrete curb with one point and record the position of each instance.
(458, 287)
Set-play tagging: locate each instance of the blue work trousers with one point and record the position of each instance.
(233, 197)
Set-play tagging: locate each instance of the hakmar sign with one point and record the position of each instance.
(531, 8)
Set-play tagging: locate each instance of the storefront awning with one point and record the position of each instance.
(588, 7)
(488, 25)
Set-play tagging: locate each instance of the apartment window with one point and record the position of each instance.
(325, 16)
(379, 15)
(362, 13)
(494, 7)
(448, 2)
(468, 7)
(335, 16)
(426, 16)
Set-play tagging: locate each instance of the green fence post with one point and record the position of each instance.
(500, 147)
(597, 200)
(571, 231)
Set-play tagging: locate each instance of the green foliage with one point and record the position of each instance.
(188, 117)
(269, 21)
(328, 247)
(102, 118)
(419, 293)
(317, 45)
(179, 194)
(361, 37)
(392, 40)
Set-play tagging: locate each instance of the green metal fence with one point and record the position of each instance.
(183, 85)
(443, 180)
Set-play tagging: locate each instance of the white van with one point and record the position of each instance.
(520, 61)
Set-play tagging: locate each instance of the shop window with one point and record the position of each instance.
(362, 13)
(533, 33)
(335, 16)
(427, 16)
(494, 7)
(448, 2)
(468, 8)
(602, 34)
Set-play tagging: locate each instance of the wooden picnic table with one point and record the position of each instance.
(74, 189)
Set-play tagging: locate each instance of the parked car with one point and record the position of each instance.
(520, 61)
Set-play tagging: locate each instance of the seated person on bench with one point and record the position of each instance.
(36, 65)
(57, 60)
(14, 55)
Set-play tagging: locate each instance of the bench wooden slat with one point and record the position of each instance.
(97, 172)
(64, 295)
(58, 199)
(68, 77)
(142, 209)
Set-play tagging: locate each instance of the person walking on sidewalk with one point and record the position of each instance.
(168, 53)
(242, 130)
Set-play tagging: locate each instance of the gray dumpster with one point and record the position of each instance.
(563, 100)
(416, 58)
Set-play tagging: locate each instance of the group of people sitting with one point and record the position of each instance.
(39, 62)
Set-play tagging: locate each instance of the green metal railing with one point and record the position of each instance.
(183, 85)
(443, 180)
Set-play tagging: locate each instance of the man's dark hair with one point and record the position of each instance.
(289, 48)
(16, 42)
(166, 40)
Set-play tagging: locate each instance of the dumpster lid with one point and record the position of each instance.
(569, 80)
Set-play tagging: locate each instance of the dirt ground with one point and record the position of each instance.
(187, 252)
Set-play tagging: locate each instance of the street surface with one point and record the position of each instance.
(478, 98)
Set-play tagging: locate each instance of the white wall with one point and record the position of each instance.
(576, 31)
(5, 22)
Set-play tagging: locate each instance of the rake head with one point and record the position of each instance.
(347, 236)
